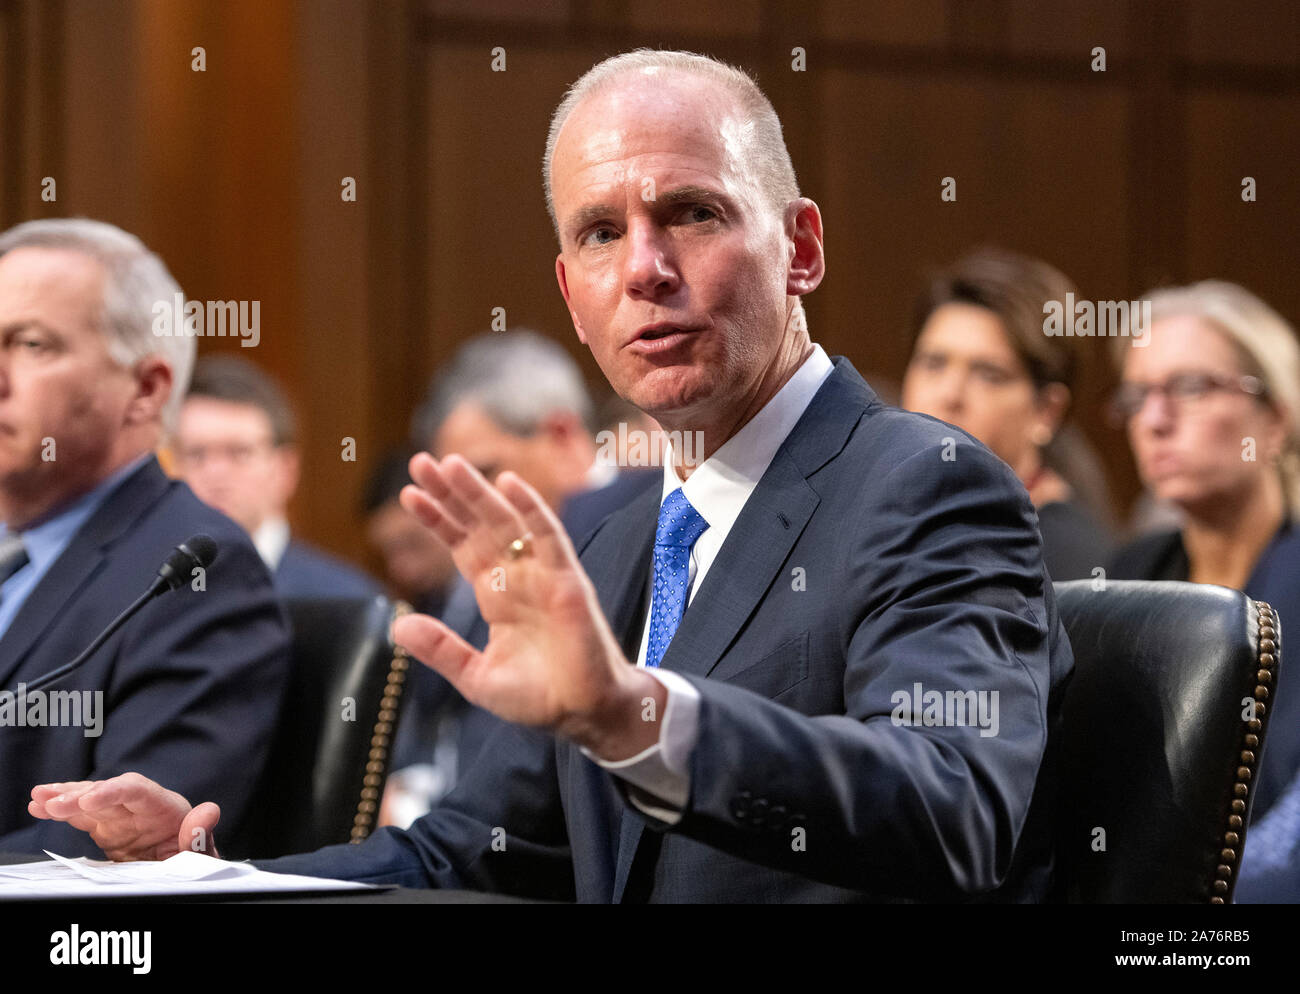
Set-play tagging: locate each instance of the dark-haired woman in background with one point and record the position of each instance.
(1212, 408)
(981, 361)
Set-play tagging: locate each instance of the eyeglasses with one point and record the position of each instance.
(1183, 390)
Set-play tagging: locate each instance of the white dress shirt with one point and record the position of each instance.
(659, 777)
(271, 539)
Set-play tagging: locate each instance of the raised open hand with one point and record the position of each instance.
(551, 660)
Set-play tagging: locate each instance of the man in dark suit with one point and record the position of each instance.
(858, 702)
(189, 690)
(236, 446)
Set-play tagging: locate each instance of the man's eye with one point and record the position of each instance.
(698, 214)
(29, 343)
(596, 236)
(929, 362)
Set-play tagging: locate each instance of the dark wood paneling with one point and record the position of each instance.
(1122, 178)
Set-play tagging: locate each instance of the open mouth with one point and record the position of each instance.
(654, 332)
(661, 338)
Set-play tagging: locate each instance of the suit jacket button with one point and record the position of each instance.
(758, 813)
(740, 806)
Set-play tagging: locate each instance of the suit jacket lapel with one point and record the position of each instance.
(78, 564)
(774, 516)
(768, 527)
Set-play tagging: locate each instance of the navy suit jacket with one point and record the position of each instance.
(880, 551)
(192, 685)
(307, 572)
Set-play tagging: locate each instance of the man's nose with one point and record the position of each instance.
(649, 268)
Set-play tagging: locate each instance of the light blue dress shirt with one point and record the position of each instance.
(48, 540)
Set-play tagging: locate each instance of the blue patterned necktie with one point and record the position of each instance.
(679, 526)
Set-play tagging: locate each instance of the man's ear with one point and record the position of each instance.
(803, 231)
(562, 279)
(153, 386)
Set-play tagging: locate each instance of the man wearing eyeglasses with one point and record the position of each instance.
(235, 447)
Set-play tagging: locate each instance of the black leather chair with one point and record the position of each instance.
(326, 771)
(1157, 748)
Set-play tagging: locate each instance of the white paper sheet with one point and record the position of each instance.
(186, 873)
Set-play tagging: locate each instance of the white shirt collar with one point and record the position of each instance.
(719, 486)
(600, 474)
(271, 540)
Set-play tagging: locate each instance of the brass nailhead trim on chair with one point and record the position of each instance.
(1266, 622)
(363, 822)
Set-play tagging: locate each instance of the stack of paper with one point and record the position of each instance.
(189, 873)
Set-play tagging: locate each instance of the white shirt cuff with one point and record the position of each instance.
(659, 778)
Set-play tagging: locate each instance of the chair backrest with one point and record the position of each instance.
(1162, 733)
(326, 771)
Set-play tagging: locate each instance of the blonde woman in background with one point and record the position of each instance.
(1212, 409)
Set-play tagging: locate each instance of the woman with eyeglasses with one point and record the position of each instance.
(1211, 405)
(981, 361)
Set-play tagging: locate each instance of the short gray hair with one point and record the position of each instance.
(518, 377)
(770, 158)
(135, 279)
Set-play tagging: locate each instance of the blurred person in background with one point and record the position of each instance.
(417, 567)
(516, 401)
(981, 361)
(189, 689)
(1212, 409)
(236, 446)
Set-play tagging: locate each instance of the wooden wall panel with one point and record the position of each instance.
(11, 80)
(1014, 150)
(1262, 33)
(1122, 179)
(920, 23)
(489, 242)
(1251, 243)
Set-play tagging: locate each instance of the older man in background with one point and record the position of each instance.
(189, 690)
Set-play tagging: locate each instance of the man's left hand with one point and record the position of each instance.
(551, 660)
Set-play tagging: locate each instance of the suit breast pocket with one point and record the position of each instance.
(774, 674)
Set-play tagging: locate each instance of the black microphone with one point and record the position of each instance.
(195, 551)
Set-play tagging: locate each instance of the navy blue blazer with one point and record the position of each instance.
(192, 685)
(882, 553)
(307, 572)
